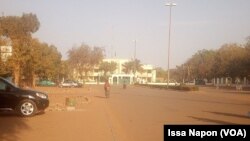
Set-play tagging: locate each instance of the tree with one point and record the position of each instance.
(19, 30)
(132, 66)
(229, 61)
(5, 69)
(161, 73)
(48, 64)
(200, 65)
(84, 58)
(79, 58)
(42, 61)
(107, 67)
(247, 57)
(128, 67)
(138, 66)
(96, 56)
(65, 70)
(182, 73)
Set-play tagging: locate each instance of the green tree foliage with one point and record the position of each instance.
(14, 27)
(181, 73)
(161, 73)
(247, 58)
(30, 58)
(5, 69)
(132, 66)
(19, 30)
(45, 60)
(231, 60)
(175, 74)
(40, 60)
(84, 58)
(200, 65)
(107, 67)
(96, 56)
(65, 70)
(128, 67)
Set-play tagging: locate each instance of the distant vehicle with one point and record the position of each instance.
(24, 102)
(200, 82)
(46, 83)
(70, 84)
(191, 82)
(173, 83)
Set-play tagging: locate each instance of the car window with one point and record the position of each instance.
(2, 86)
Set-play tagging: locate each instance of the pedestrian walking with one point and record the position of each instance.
(107, 88)
(124, 84)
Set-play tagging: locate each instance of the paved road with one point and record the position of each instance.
(143, 111)
(134, 114)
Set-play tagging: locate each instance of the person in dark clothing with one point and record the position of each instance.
(124, 84)
(107, 88)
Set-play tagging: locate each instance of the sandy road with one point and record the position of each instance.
(143, 111)
(129, 115)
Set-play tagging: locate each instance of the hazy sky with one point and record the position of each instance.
(114, 24)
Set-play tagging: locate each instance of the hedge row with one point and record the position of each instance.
(181, 87)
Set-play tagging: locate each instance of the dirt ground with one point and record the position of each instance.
(133, 114)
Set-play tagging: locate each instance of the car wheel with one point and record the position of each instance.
(27, 108)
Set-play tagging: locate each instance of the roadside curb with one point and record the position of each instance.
(72, 103)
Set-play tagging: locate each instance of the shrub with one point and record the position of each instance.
(181, 87)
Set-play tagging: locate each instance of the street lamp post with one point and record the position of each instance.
(134, 61)
(135, 50)
(170, 7)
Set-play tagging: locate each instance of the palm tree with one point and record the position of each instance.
(107, 67)
(128, 67)
(137, 66)
(132, 66)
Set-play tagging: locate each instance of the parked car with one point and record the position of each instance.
(70, 84)
(79, 85)
(46, 83)
(173, 83)
(200, 82)
(24, 102)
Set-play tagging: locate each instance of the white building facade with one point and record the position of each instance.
(119, 77)
(5, 52)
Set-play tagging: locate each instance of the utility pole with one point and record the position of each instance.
(170, 8)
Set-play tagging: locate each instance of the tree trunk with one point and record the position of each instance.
(33, 79)
(17, 74)
(86, 75)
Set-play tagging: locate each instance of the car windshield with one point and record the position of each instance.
(12, 84)
(9, 82)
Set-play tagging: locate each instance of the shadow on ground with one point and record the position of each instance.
(101, 97)
(230, 114)
(216, 102)
(237, 92)
(212, 121)
(11, 125)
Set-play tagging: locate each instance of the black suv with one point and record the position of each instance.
(24, 102)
